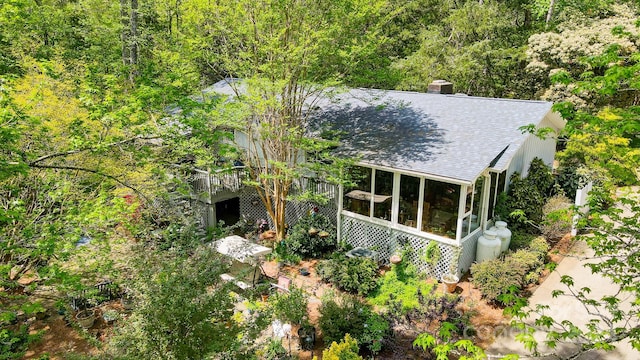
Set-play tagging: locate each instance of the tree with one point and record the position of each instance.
(582, 50)
(614, 236)
(183, 310)
(284, 52)
(478, 46)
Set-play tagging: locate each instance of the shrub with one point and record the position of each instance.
(524, 195)
(540, 246)
(512, 273)
(400, 285)
(558, 217)
(350, 316)
(354, 275)
(303, 244)
(282, 254)
(290, 307)
(520, 239)
(540, 176)
(495, 277)
(14, 343)
(347, 349)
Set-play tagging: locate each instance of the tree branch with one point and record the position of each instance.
(71, 152)
(97, 172)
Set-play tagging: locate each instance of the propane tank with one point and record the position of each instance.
(504, 235)
(488, 246)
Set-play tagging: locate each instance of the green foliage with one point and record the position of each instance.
(274, 350)
(184, 310)
(432, 255)
(400, 285)
(613, 236)
(441, 347)
(540, 176)
(14, 343)
(526, 197)
(348, 315)
(520, 239)
(354, 275)
(558, 217)
(289, 307)
(302, 243)
(473, 45)
(512, 273)
(346, 349)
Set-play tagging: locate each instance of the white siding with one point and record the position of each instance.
(533, 147)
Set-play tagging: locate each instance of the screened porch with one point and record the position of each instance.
(387, 209)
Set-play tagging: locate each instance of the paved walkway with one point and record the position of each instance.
(565, 307)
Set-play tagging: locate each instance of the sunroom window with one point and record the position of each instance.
(382, 199)
(357, 198)
(440, 208)
(409, 199)
(473, 207)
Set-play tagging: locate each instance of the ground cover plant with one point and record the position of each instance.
(351, 274)
(399, 287)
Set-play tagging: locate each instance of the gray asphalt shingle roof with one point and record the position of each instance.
(452, 136)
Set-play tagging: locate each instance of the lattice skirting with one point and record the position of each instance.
(252, 209)
(386, 241)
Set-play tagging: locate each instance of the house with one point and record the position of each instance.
(430, 165)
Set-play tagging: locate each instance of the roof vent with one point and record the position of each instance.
(440, 87)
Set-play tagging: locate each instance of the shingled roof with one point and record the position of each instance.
(451, 136)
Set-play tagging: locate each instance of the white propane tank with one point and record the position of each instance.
(488, 246)
(504, 235)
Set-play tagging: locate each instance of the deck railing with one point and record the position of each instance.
(209, 183)
(206, 182)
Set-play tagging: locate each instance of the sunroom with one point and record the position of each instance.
(409, 209)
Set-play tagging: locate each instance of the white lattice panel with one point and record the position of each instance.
(468, 255)
(252, 209)
(385, 241)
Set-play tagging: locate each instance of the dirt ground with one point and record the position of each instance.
(61, 337)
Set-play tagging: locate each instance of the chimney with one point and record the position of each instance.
(440, 87)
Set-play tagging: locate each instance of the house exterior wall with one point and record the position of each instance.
(533, 147)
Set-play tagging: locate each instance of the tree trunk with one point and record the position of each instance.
(124, 36)
(552, 3)
(134, 32)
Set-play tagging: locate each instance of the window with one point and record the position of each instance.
(473, 207)
(382, 195)
(476, 214)
(409, 198)
(497, 187)
(358, 197)
(440, 208)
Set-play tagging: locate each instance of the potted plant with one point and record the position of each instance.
(86, 318)
(451, 278)
(110, 315)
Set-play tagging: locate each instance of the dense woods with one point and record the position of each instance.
(90, 146)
